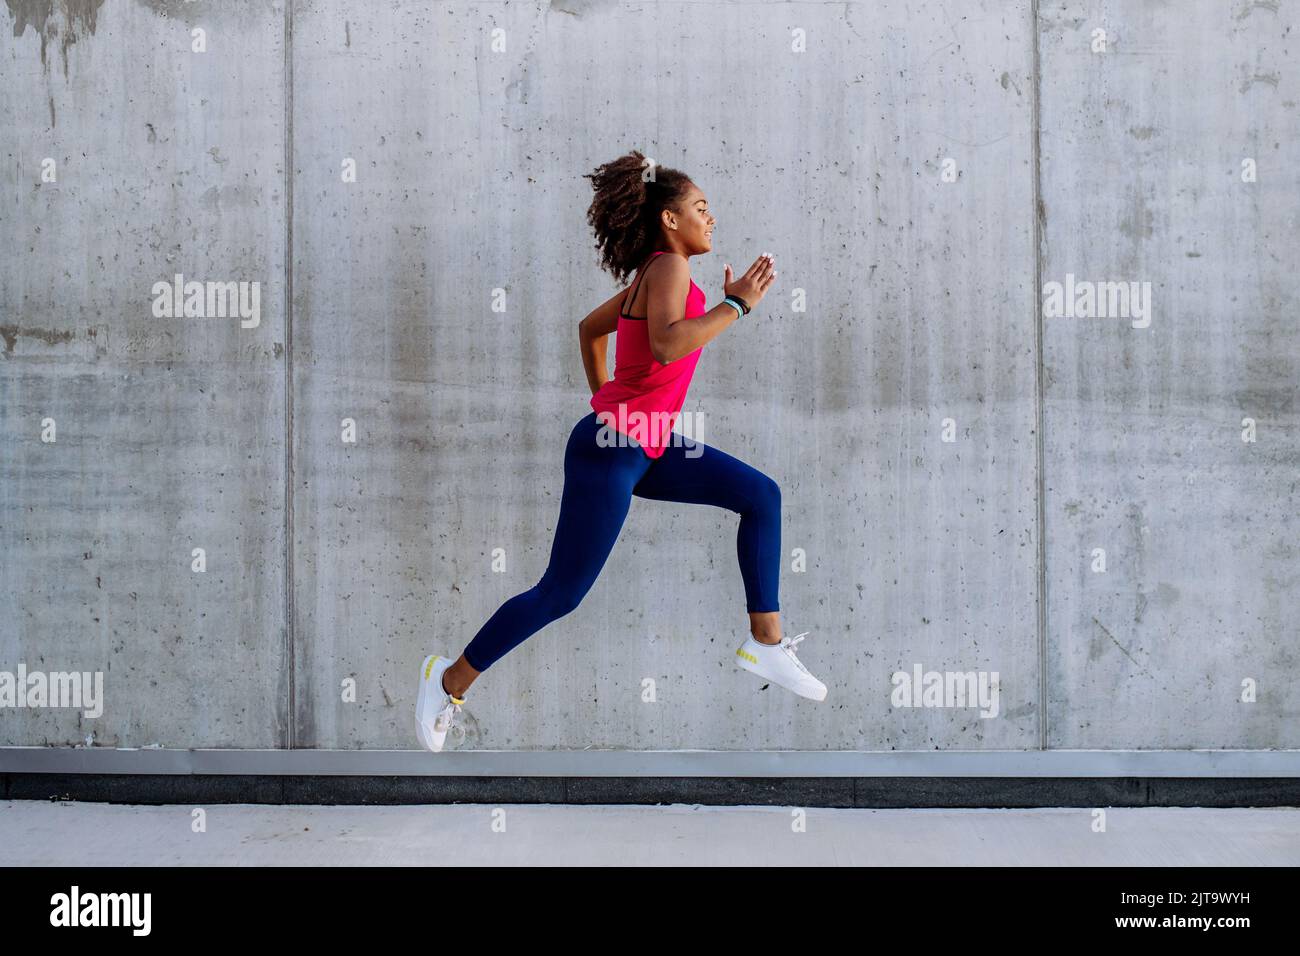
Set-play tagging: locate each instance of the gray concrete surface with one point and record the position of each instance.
(170, 432)
(1142, 147)
(923, 306)
(89, 834)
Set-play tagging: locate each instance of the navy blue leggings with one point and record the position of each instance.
(599, 482)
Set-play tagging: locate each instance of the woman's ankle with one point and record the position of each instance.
(460, 696)
(765, 627)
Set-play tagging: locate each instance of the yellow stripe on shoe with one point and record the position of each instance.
(429, 667)
(741, 652)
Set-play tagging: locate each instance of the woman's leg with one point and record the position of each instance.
(699, 474)
(597, 493)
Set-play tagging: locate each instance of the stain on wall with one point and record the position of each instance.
(62, 21)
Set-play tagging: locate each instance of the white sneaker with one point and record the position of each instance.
(435, 709)
(779, 664)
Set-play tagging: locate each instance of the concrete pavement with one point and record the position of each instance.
(88, 834)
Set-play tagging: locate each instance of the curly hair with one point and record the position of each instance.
(625, 210)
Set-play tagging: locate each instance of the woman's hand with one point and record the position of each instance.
(753, 285)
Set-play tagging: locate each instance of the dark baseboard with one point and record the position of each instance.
(865, 792)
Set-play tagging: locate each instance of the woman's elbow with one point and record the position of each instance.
(661, 350)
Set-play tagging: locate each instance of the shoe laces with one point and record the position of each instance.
(787, 645)
(446, 718)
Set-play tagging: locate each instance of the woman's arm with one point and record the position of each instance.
(672, 336)
(593, 337)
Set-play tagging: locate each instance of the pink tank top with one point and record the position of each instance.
(644, 397)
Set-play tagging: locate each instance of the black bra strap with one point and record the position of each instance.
(640, 273)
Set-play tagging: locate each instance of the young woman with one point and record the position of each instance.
(623, 447)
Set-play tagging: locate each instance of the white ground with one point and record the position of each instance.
(96, 834)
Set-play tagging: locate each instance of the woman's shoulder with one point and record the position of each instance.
(675, 264)
(675, 268)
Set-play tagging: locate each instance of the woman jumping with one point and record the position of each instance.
(622, 447)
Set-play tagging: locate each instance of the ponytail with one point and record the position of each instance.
(625, 211)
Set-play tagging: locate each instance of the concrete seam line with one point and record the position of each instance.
(1044, 731)
(291, 703)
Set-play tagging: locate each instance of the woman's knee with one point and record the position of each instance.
(561, 599)
(766, 493)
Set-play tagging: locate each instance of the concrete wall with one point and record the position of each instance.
(330, 561)
(1142, 152)
(169, 432)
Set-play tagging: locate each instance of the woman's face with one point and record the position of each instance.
(694, 224)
